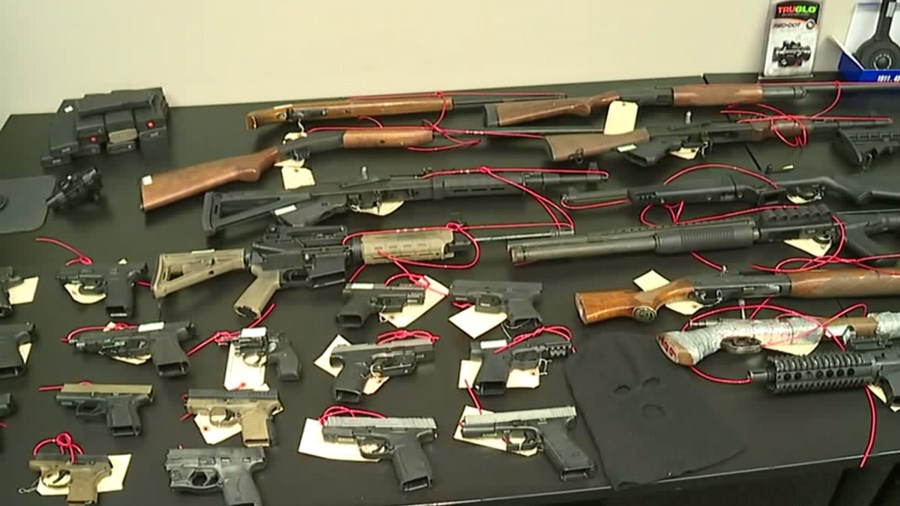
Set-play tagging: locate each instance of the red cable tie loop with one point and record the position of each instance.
(53, 388)
(114, 326)
(64, 442)
(559, 330)
(399, 334)
(224, 336)
(472, 395)
(81, 258)
(338, 410)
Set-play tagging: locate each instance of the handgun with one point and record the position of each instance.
(361, 300)
(205, 470)
(8, 279)
(497, 360)
(7, 406)
(84, 472)
(13, 335)
(159, 340)
(251, 409)
(259, 346)
(118, 403)
(361, 361)
(397, 439)
(514, 298)
(547, 430)
(113, 280)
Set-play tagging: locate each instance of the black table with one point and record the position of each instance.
(781, 435)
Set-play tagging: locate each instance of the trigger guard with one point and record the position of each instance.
(210, 479)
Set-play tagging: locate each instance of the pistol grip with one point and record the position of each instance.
(255, 429)
(287, 365)
(6, 308)
(168, 357)
(11, 364)
(354, 313)
(520, 312)
(257, 295)
(350, 382)
(493, 373)
(83, 486)
(122, 416)
(411, 465)
(864, 246)
(240, 490)
(569, 459)
(119, 297)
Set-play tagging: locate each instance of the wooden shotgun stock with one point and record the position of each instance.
(569, 146)
(815, 284)
(513, 113)
(343, 109)
(158, 190)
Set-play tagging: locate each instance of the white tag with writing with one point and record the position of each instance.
(652, 280)
(685, 153)
(435, 293)
(82, 298)
(312, 443)
(878, 392)
(475, 323)
(382, 209)
(620, 117)
(490, 442)
(23, 293)
(813, 247)
(518, 378)
(112, 483)
(373, 383)
(213, 434)
(241, 375)
(293, 176)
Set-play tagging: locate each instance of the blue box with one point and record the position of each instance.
(851, 70)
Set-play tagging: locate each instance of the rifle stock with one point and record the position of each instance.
(513, 113)
(343, 109)
(642, 306)
(566, 147)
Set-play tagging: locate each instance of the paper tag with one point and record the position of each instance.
(292, 136)
(23, 293)
(284, 210)
(147, 180)
(151, 327)
(493, 442)
(312, 443)
(382, 209)
(475, 323)
(239, 375)
(212, 434)
(652, 280)
(293, 177)
(797, 199)
(25, 352)
(373, 383)
(798, 348)
(82, 298)
(620, 117)
(810, 246)
(875, 389)
(112, 483)
(435, 293)
(686, 153)
(133, 360)
(628, 147)
(518, 378)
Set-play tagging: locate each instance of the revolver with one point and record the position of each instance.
(397, 439)
(113, 280)
(13, 335)
(160, 340)
(118, 403)
(85, 472)
(361, 300)
(514, 298)
(252, 410)
(207, 470)
(257, 345)
(360, 361)
(497, 360)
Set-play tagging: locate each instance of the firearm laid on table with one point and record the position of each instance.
(386, 105)
(250, 409)
(397, 439)
(688, 95)
(312, 257)
(647, 146)
(84, 474)
(814, 222)
(164, 188)
(498, 359)
(867, 361)
(159, 341)
(258, 345)
(515, 298)
(726, 188)
(546, 430)
(115, 281)
(8, 279)
(119, 404)
(7, 406)
(362, 300)
(359, 362)
(307, 206)
(712, 289)
(12, 336)
(76, 189)
(742, 336)
(209, 470)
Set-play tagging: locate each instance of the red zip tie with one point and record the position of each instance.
(81, 259)
(397, 335)
(51, 388)
(337, 410)
(64, 442)
(115, 326)
(559, 330)
(225, 335)
(473, 396)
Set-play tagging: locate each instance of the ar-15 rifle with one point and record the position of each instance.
(814, 222)
(719, 189)
(311, 206)
(388, 105)
(312, 257)
(710, 290)
(648, 145)
(689, 347)
(206, 470)
(158, 190)
(689, 95)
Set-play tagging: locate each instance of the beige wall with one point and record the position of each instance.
(218, 51)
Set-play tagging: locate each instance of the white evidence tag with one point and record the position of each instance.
(313, 443)
(240, 375)
(652, 280)
(475, 323)
(621, 117)
(373, 383)
(23, 293)
(518, 378)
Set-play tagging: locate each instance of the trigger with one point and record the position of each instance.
(201, 479)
